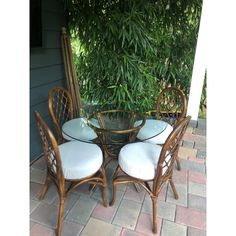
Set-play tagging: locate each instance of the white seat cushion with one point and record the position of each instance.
(151, 128)
(78, 129)
(80, 159)
(140, 160)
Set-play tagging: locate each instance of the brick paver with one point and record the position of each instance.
(100, 228)
(128, 232)
(182, 192)
(104, 213)
(165, 210)
(131, 214)
(127, 214)
(197, 189)
(173, 229)
(196, 232)
(187, 144)
(191, 217)
(37, 175)
(45, 214)
(201, 154)
(192, 165)
(144, 224)
(185, 152)
(71, 228)
(180, 177)
(196, 177)
(40, 230)
(131, 194)
(82, 210)
(197, 202)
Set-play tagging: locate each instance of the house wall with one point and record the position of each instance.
(46, 68)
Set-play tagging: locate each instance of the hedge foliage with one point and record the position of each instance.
(128, 50)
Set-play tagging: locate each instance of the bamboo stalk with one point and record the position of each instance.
(72, 82)
(75, 81)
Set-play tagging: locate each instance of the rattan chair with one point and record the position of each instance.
(60, 109)
(144, 162)
(171, 107)
(74, 162)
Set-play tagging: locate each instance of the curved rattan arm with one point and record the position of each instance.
(171, 105)
(60, 109)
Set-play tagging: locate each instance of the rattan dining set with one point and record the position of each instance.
(145, 148)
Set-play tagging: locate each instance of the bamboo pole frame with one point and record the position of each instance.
(71, 77)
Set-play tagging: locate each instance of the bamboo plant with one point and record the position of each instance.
(127, 50)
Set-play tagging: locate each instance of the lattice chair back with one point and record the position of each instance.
(171, 105)
(51, 150)
(60, 109)
(168, 153)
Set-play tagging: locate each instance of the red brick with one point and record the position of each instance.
(180, 177)
(128, 232)
(197, 160)
(196, 232)
(194, 138)
(191, 217)
(197, 177)
(71, 228)
(197, 202)
(35, 189)
(104, 213)
(187, 152)
(144, 224)
(132, 194)
(39, 230)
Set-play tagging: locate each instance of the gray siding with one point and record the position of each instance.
(46, 68)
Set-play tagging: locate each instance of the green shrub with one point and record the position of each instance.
(128, 50)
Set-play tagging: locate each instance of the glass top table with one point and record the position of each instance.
(113, 127)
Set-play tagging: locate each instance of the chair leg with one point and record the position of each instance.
(154, 214)
(45, 188)
(113, 194)
(173, 189)
(113, 190)
(104, 187)
(178, 162)
(60, 215)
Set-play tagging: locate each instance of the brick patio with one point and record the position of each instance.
(131, 214)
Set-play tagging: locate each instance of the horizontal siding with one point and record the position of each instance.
(45, 75)
(46, 69)
(42, 108)
(35, 141)
(45, 57)
(51, 39)
(40, 94)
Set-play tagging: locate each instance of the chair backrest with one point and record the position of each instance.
(171, 105)
(169, 152)
(50, 149)
(60, 109)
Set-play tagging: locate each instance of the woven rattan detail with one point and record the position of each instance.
(60, 108)
(171, 105)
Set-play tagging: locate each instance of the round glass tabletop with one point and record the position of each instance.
(113, 127)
